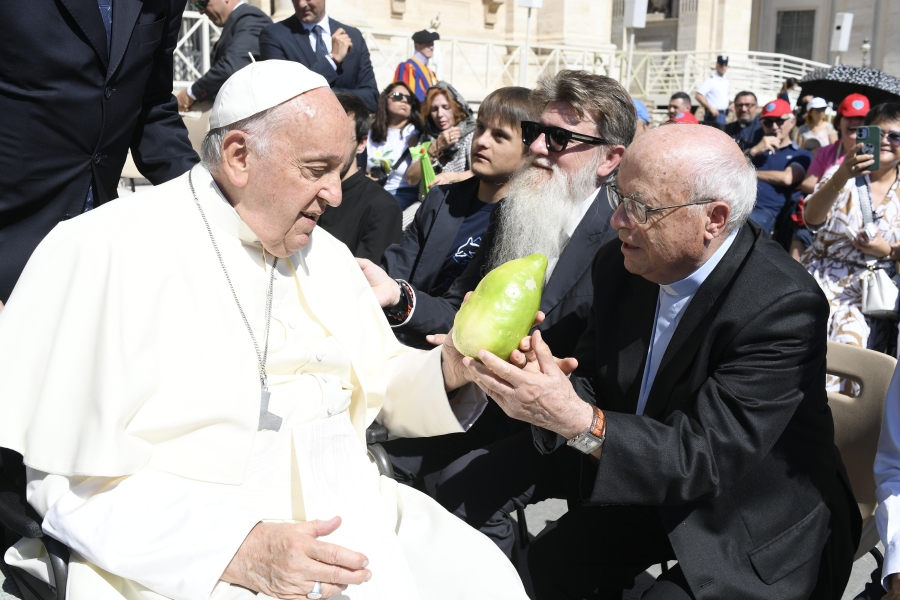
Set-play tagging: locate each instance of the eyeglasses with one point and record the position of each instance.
(637, 211)
(398, 97)
(745, 105)
(556, 138)
(199, 5)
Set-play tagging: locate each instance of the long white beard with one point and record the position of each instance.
(535, 214)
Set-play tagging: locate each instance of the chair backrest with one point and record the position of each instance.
(197, 127)
(857, 423)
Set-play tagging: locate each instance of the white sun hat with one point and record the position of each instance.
(817, 103)
(260, 86)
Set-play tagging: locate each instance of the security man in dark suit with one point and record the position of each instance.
(335, 51)
(241, 25)
(697, 404)
(82, 82)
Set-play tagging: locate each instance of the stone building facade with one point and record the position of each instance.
(803, 28)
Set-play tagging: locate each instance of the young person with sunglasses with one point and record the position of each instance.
(842, 247)
(395, 128)
(780, 164)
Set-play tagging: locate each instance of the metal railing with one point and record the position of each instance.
(477, 66)
(192, 51)
(655, 76)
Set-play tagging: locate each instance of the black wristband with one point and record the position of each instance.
(397, 315)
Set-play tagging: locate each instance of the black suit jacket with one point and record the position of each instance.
(566, 299)
(736, 444)
(239, 39)
(367, 220)
(287, 40)
(71, 110)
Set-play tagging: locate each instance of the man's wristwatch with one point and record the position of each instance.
(593, 437)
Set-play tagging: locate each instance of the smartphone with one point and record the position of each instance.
(870, 137)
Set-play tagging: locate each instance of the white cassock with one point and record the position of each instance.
(129, 382)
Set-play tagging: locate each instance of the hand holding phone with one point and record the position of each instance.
(870, 138)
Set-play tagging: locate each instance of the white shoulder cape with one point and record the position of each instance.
(121, 347)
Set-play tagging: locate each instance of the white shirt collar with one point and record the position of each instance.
(690, 284)
(420, 57)
(218, 209)
(324, 24)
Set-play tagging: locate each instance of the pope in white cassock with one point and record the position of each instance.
(189, 372)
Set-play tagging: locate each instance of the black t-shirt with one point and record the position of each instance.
(464, 247)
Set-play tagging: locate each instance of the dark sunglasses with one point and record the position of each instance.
(398, 97)
(199, 5)
(556, 138)
(773, 122)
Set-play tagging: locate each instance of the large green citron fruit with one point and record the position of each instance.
(501, 310)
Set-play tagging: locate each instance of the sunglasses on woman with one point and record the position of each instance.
(556, 138)
(398, 97)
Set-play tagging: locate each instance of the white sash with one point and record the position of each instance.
(337, 480)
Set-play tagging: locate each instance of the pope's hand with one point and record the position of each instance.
(284, 560)
(387, 291)
(540, 393)
(456, 374)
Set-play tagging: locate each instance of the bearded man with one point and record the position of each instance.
(189, 372)
(555, 205)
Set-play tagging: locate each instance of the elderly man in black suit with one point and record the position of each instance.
(556, 205)
(84, 81)
(698, 406)
(241, 25)
(335, 51)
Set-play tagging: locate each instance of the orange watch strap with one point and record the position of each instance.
(598, 426)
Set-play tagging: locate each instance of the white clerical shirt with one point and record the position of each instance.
(673, 300)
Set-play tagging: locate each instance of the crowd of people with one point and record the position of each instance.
(189, 373)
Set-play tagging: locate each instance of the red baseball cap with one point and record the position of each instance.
(775, 109)
(854, 105)
(685, 117)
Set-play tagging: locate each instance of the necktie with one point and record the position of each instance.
(321, 50)
(106, 14)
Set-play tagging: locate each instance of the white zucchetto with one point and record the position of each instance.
(260, 86)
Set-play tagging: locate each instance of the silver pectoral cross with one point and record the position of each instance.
(267, 420)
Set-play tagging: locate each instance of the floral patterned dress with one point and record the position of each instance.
(836, 264)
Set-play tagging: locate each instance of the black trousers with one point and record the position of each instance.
(486, 486)
(595, 552)
(418, 462)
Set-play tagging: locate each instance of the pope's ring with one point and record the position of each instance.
(316, 592)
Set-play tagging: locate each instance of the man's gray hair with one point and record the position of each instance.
(259, 129)
(726, 178)
(599, 97)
